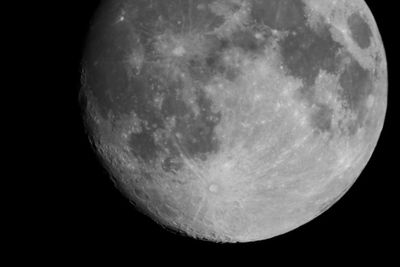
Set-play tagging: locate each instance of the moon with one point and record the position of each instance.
(234, 120)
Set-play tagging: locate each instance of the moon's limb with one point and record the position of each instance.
(274, 169)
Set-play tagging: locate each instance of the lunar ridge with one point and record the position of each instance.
(234, 120)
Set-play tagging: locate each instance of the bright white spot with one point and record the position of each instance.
(276, 32)
(121, 19)
(179, 51)
(258, 36)
(370, 101)
(201, 7)
(213, 188)
(258, 97)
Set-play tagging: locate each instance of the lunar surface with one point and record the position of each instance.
(234, 120)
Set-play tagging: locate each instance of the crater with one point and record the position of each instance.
(172, 163)
(361, 32)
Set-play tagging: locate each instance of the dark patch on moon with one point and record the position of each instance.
(356, 84)
(109, 44)
(107, 80)
(360, 30)
(204, 67)
(246, 40)
(104, 64)
(306, 52)
(196, 131)
(279, 14)
(172, 104)
(143, 145)
(321, 119)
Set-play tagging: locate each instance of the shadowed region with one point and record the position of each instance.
(106, 73)
(360, 30)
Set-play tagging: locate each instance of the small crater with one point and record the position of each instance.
(140, 193)
(213, 188)
(171, 164)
